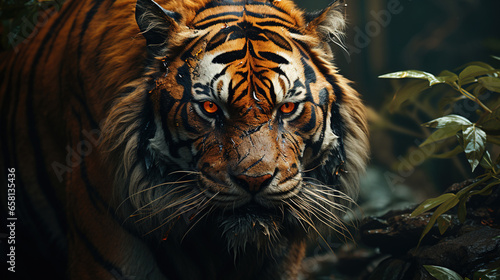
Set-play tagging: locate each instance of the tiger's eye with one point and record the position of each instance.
(287, 108)
(210, 107)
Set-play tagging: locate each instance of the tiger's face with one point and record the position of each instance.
(244, 119)
(243, 126)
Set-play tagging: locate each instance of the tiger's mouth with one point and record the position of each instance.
(253, 213)
(255, 225)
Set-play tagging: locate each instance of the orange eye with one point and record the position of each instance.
(287, 108)
(210, 107)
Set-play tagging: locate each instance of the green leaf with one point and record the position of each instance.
(443, 208)
(491, 122)
(474, 144)
(444, 222)
(487, 274)
(442, 134)
(406, 92)
(486, 190)
(447, 77)
(491, 83)
(442, 273)
(477, 63)
(477, 88)
(431, 203)
(496, 57)
(449, 120)
(472, 71)
(464, 191)
(416, 74)
(450, 154)
(486, 161)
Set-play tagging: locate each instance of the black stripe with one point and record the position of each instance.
(309, 73)
(10, 111)
(202, 89)
(274, 57)
(166, 105)
(263, 93)
(97, 256)
(323, 98)
(10, 159)
(244, 93)
(302, 47)
(187, 53)
(270, 16)
(31, 120)
(215, 78)
(211, 17)
(220, 3)
(291, 28)
(228, 57)
(277, 39)
(83, 29)
(291, 140)
(88, 17)
(95, 197)
(272, 93)
(253, 165)
(232, 90)
(225, 35)
(185, 120)
(61, 66)
(93, 123)
(312, 122)
(204, 26)
(268, 4)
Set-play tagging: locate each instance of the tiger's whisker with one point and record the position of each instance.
(201, 217)
(170, 218)
(311, 224)
(178, 201)
(328, 218)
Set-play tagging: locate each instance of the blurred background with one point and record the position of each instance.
(385, 36)
(391, 35)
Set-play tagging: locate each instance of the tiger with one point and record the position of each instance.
(179, 139)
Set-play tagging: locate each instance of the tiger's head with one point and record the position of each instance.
(241, 123)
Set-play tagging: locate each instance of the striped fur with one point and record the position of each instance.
(181, 140)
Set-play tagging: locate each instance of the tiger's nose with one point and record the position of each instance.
(253, 184)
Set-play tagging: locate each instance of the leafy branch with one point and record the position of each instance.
(443, 273)
(480, 83)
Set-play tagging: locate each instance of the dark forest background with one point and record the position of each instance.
(391, 35)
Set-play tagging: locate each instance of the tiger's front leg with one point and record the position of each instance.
(99, 247)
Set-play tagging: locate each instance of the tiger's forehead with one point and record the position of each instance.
(246, 55)
(264, 12)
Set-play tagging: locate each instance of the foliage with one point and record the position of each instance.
(470, 133)
(443, 273)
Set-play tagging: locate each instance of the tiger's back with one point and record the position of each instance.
(54, 91)
(98, 116)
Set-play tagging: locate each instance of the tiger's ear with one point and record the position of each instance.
(328, 24)
(156, 24)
